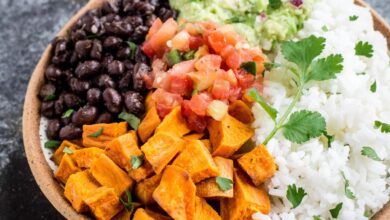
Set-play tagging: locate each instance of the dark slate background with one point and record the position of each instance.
(26, 27)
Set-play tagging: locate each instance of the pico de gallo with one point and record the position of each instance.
(201, 67)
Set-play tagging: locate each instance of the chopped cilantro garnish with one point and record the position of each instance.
(131, 119)
(364, 49)
(52, 144)
(97, 133)
(336, 210)
(250, 67)
(67, 150)
(68, 113)
(224, 184)
(370, 153)
(50, 97)
(384, 127)
(373, 87)
(295, 195)
(353, 17)
(136, 161)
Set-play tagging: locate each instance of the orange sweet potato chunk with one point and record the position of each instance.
(144, 189)
(107, 173)
(78, 187)
(204, 211)
(160, 149)
(66, 168)
(209, 187)
(122, 148)
(157, 215)
(110, 132)
(149, 102)
(207, 144)
(228, 135)
(197, 161)
(195, 136)
(104, 203)
(141, 214)
(247, 200)
(241, 112)
(149, 124)
(174, 123)
(258, 164)
(59, 153)
(176, 193)
(84, 157)
(142, 172)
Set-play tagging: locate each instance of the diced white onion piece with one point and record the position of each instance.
(217, 110)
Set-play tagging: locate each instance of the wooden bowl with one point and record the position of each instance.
(31, 121)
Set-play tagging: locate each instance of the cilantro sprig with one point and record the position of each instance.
(364, 49)
(129, 206)
(336, 210)
(136, 161)
(303, 125)
(348, 193)
(370, 153)
(295, 195)
(224, 184)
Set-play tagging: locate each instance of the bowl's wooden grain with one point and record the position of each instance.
(31, 120)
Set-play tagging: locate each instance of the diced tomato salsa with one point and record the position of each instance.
(196, 63)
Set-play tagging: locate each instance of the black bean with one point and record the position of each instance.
(73, 59)
(83, 48)
(79, 86)
(105, 81)
(61, 52)
(116, 68)
(66, 121)
(94, 96)
(165, 13)
(110, 18)
(106, 60)
(112, 100)
(97, 50)
(140, 70)
(78, 35)
(67, 75)
(47, 91)
(104, 118)
(129, 65)
(139, 33)
(134, 102)
(59, 107)
(72, 101)
(112, 43)
(85, 115)
(47, 109)
(123, 53)
(87, 69)
(112, 6)
(125, 82)
(118, 28)
(53, 129)
(144, 8)
(140, 57)
(89, 23)
(149, 20)
(134, 21)
(53, 73)
(70, 132)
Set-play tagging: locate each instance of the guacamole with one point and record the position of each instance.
(259, 21)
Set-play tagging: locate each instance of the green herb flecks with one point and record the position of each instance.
(97, 133)
(304, 125)
(295, 195)
(370, 153)
(325, 28)
(255, 96)
(364, 49)
(129, 203)
(348, 193)
(336, 210)
(250, 67)
(68, 113)
(50, 97)
(224, 184)
(316, 217)
(384, 127)
(353, 17)
(373, 87)
(136, 161)
(174, 57)
(330, 139)
(52, 144)
(131, 119)
(133, 49)
(67, 150)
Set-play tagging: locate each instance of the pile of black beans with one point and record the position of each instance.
(97, 72)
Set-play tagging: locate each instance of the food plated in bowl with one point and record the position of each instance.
(239, 120)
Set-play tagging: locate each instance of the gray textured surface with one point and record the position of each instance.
(26, 27)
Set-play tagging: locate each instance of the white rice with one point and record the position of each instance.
(350, 109)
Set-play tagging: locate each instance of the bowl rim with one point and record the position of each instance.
(40, 169)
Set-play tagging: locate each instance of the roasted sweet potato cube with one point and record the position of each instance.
(123, 215)
(174, 123)
(209, 187)
(122, 148)
(204, 211)
(109, 132)
(66, 168)
(228, 135)
(157, 215)
(241, 111)
(207, 144)
(104, 203)
(78, 187)
(160, 149)
(142, 172)
(59, 153)
(144, 189)
(84, 157)
(176, 193)
(258, 164)
(107, 173)
(149, 124)
(196, 160)
(247, 200)
(141, 214)
(149, 102)
(195, 136)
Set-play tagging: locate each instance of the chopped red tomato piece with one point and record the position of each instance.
(166, 101)
(196, 42)
(154, 28)
(194, 121)
(181, 41)
(221, 89)
(180, 84)
(209, 62)
(183, 67)
(199, 103)
(158, 40)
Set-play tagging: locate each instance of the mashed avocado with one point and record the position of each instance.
(256, 20)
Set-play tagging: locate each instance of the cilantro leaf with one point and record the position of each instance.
(136, 161)
(68, 113)
(97, 133)
(224, 184)
(269, 65)
(129, 204)
(67, 150)
(353, 17)
(303, 52)
(336, 210)
(131, 119)
(133, 48)
(325, 28)
(384, 127)
(275, 4)
(52, 144)
(254, 94)
(364, 49)
(295, 195)
(330, 138)
(373, 87)
(250, 67)
(348, 193)
(370, 153)
(50, 97)
(326, 68)
(304, 125)
(316, 217)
